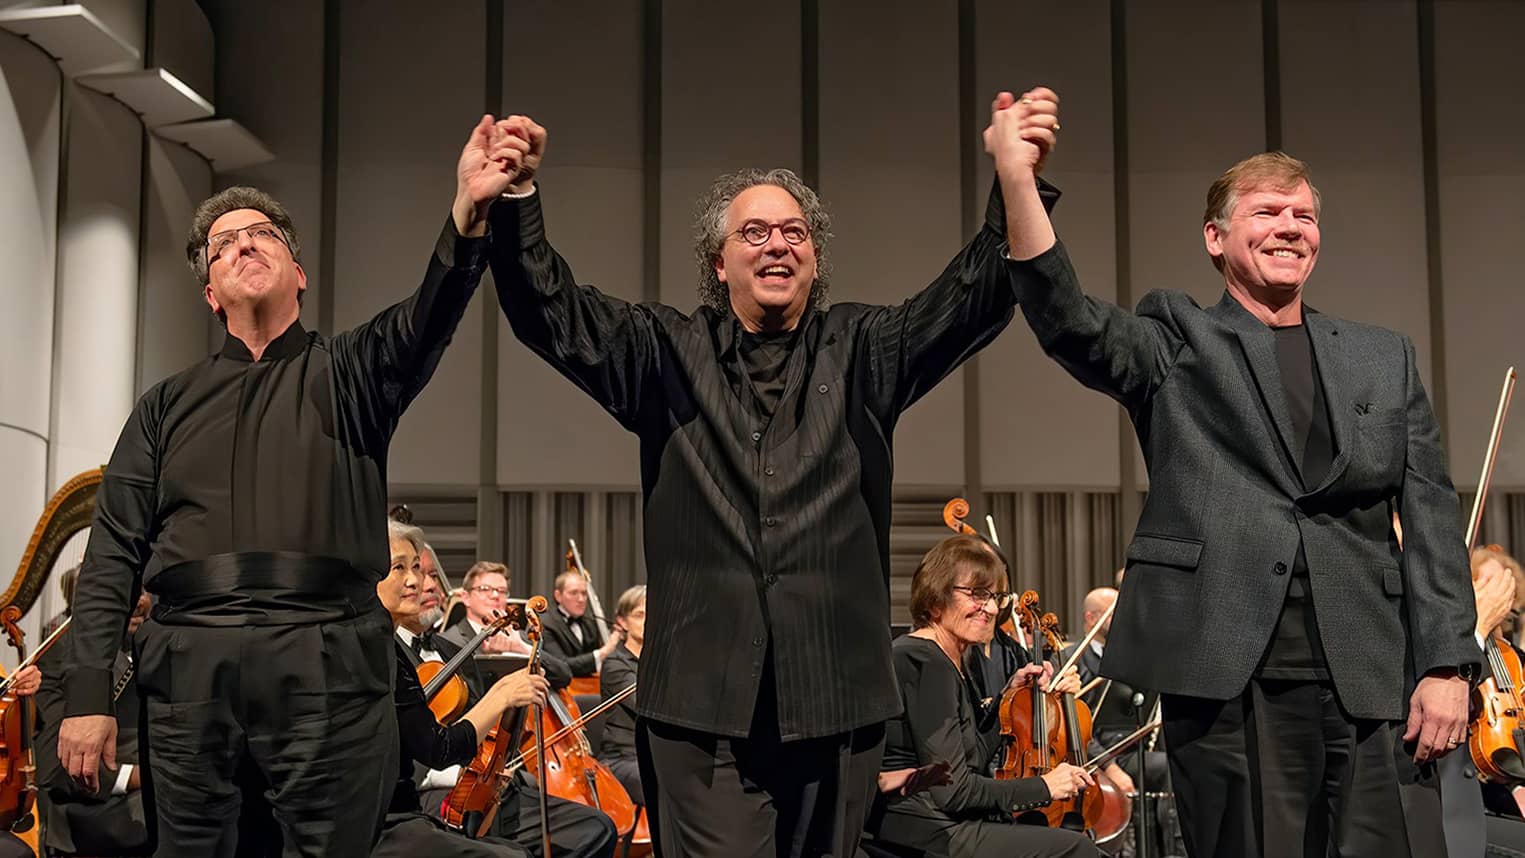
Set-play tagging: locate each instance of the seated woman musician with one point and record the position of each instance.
(408, 831)
(617, 750)
(954, 603)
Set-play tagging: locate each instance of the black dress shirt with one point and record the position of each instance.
(765, 538)
(287, 453)
(619, 725)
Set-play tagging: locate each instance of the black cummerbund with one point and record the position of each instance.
(261, 588)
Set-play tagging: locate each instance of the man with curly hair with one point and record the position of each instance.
(765, 420)
(248, 494)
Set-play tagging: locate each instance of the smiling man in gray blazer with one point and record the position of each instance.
(1265, 594)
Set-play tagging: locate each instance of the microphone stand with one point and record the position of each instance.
(1141, 839)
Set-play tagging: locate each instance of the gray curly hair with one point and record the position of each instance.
(233, 199)
(710, 232)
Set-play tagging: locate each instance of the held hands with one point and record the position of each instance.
(532, 134)
(521, 688)
(1437, 715)
(1065, 780)
(1022, 131)
(85, 743)
(489, 162)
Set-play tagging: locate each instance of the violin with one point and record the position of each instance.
(1496, 734)
(473, 802)
(18, 790)
(444, 690)
(572, 772)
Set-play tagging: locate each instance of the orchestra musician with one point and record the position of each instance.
(570, 632)
(954, 601)
(617, 750)
(576, 831)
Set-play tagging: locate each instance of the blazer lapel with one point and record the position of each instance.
(1259, 346)
(1329, 354)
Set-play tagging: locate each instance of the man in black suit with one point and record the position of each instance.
(109, 820)
(569, 630)
(1265, 594)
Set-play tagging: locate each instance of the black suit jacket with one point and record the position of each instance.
(560, 640)
(1226, 510)
(78, 820)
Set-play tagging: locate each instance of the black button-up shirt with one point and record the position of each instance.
(286, 453)
(760, 533)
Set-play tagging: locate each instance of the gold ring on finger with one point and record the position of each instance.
(1056, 126)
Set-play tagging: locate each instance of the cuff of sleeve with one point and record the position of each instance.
(1049, 265)
(123, 774)
(995, 207)
(87, 691)
(459, 251)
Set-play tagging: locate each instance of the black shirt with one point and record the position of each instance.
(421, 738)
(618, 672)
(763, 536)
(1295, 651)
(939, 724)
(287, 453)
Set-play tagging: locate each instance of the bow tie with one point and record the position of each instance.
(423, 642)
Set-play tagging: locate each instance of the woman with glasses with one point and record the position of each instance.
(955, 600)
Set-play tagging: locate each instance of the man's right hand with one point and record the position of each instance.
(1064, 780)
(521, 688)
(85, 742)
(527, 130)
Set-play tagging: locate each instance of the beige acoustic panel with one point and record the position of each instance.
(95, 330)
(404, 115)
(1038, 426)
(730, 99)
(1196, 105)
(1350, 108)
(1481, 159)
(29, 130)
(282, 105)
(173, 317)
(890, 177)
(590, 100)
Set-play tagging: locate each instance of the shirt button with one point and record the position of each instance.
(1280, 568)
(757, 641)
(756, 436)
(821, 389)
(772, 578)
(768, 470)
(770, 521)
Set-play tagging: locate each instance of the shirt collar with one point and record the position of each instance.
(405, 635)
(1097, 647)
(288, 344)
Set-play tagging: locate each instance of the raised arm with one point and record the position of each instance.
(606, 346)
(390, 358)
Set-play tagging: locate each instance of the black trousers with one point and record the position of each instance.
(414, 835)
(297, 718)
(577, 831)
(1281, 771)
(710, 795)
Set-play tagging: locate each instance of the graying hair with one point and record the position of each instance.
(398, 530)
(230, 200)
(710, 233)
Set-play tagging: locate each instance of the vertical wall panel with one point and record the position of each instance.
(730, 99)
(404, 113)
(174, 316)
(29, 129)
(283, 106)
(95, 325)
(1351, 73)
(1481, 159)
(1195, 107)
(589, 100)
(1038, 425)
(890, 176)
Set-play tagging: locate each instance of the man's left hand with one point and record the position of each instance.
(1437, 715)
(488, 163)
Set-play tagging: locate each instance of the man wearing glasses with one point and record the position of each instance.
(486, 586)
(765, 420)
(248, 494)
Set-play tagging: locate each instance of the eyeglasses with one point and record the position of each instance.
(265, 231)
(490, 591)
(757, 232)
(980, 595)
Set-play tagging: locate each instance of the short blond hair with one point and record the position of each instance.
(1276, 170)
(485, 567)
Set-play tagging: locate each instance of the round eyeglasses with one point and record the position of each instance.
(757, 232)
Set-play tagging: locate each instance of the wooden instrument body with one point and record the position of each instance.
(449, 704)
(1496, 739)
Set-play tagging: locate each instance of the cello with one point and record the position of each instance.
(1496, 735)
(472, 804)
(587, 684)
